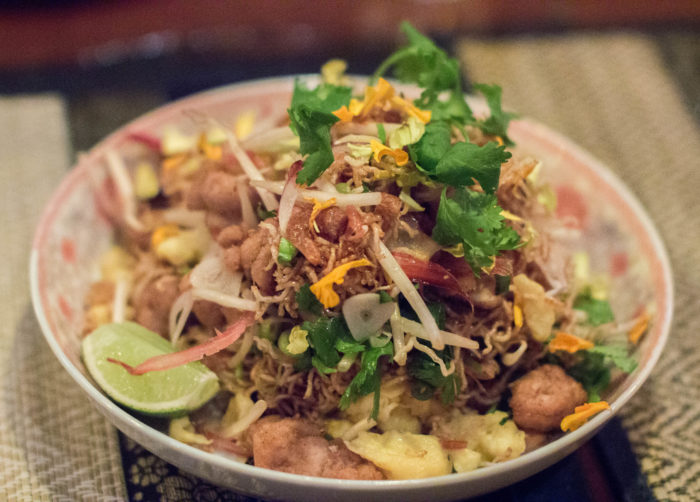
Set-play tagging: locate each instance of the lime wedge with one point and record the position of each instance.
(170, 393)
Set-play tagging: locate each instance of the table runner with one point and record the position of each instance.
(610, 93)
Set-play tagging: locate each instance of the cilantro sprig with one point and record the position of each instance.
(329, 340)
(324, 97)
(422, 62)
(428, 378)
(311, 119)
(314, 130)
(497, 122)
(368, 379)
(598, 311)
(460, 163)
(593, 370)
(474, 220)
(307, 301)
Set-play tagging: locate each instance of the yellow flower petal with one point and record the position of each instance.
(344, 114)
(244, 124)
(297, 340)
(380, 150)
(376, 95)
(569, 343)
(356, 106)
(581, 415)
(323, 288)
(318, 207)
(518, 316)
(213, 152)
(411, 109)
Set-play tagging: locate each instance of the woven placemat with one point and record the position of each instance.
(53, 444)
(613, 95)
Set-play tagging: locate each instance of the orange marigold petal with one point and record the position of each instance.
(639, 327)
(344, 114)
(411, 109)
(318, 207)
(323, 288)
(518, 316)
(569, 343)
(581, 415)
(380, 150)
(174, 161)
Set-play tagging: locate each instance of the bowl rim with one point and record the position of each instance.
(566, 442)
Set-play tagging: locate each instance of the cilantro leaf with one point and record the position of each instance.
(453, 109)
(427, 376)
(592, 373)
(422, 62)
(598, 311)
(311, 118)
(437, 310)
(307, 301)
(314, 130)
(385, 297)
(474, 220)
(346, 344)
(593, 370)
(465, 161)
(322, 337)
(381, 132)
(368, 379)
(324, 98)
(617, 355)
(497, 123)
(456, 164)
(318, 363)
(263, 213)
(432, 146)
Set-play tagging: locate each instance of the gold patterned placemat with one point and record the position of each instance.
(612, 94)
(53, 444)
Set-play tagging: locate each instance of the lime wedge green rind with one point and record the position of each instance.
(169, 393)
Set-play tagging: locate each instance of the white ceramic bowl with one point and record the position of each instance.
(615, 230)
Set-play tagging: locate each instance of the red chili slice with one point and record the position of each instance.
(175, 359)
(428, 272)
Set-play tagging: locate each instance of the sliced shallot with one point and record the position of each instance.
(125, 188)
(179, 312)
(173, 360)
(289, 196)
(251, 171)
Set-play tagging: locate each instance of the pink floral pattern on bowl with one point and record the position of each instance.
(615, 230)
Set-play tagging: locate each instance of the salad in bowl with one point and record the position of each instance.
(376, 283)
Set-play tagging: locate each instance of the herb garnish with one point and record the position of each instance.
(474, 220)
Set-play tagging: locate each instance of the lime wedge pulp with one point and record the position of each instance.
(170, 393)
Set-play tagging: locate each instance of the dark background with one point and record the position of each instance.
(103, 55)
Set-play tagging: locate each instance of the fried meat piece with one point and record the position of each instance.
(296, 446)
(543, 397)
